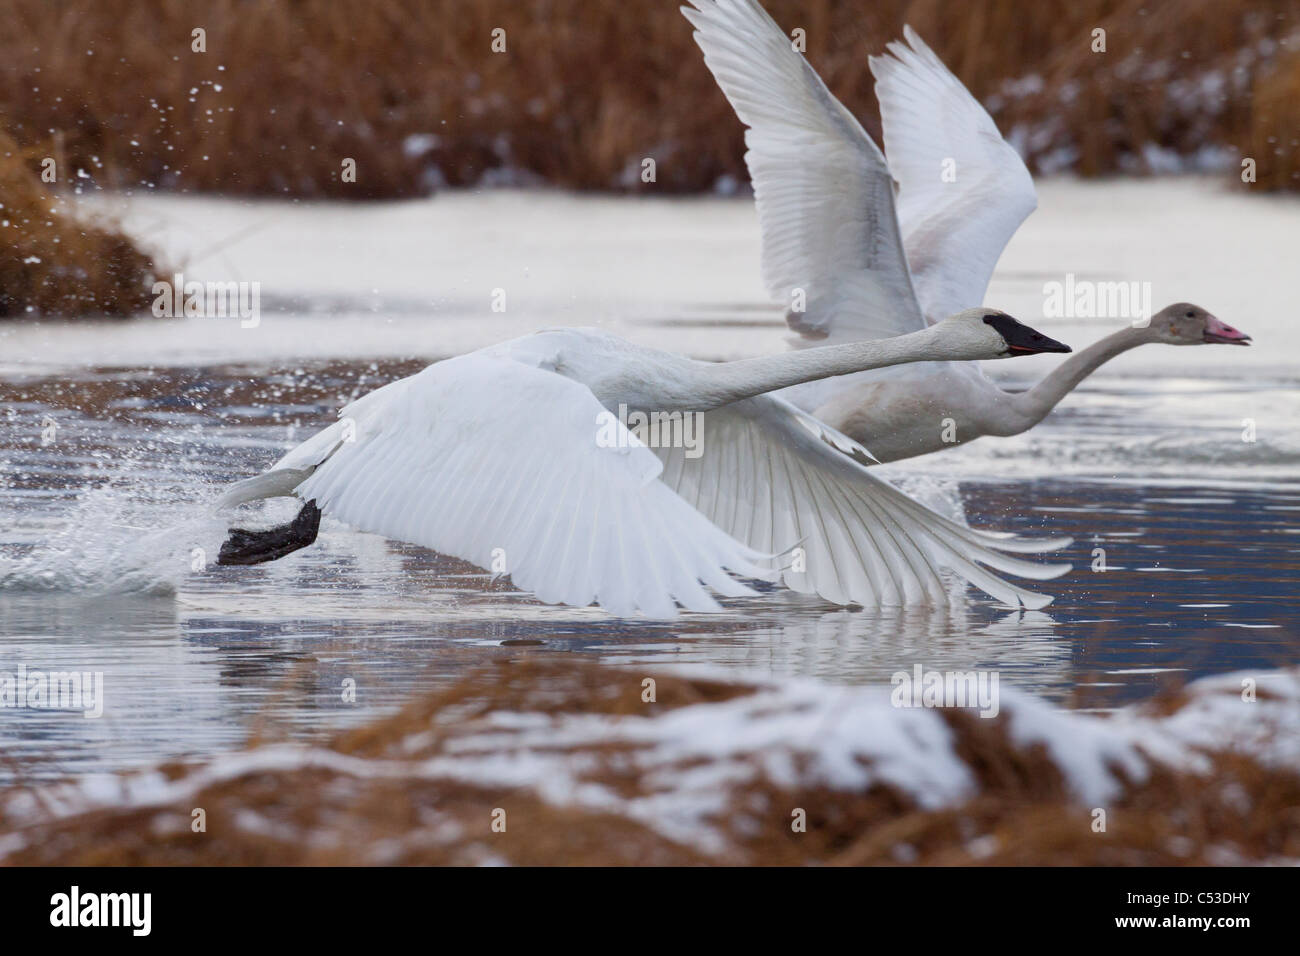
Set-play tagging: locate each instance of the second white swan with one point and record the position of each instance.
(872, 249)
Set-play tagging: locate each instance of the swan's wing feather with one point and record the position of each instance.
(777, 478)
(825, 196)
(325, 442)
(963, 190)
(481, 453)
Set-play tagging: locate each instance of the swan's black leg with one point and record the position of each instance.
(255, 547)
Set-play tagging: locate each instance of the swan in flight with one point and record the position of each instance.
(858, 261)
(519, 457)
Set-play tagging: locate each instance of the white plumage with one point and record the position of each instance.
(824, 192)
(509, 448)
(771, 478)
(956, 219)
(458, 459)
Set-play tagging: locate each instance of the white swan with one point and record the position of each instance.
(509, 457)
(865, 270)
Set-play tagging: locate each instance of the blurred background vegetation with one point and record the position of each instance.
(113, 92)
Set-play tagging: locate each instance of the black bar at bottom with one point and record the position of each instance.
(335, 905)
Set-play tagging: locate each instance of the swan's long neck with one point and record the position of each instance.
(728, 382)
(1034, 404)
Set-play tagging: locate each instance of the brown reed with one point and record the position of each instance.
(412, 91)
(53, 262)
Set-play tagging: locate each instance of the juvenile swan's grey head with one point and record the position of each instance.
(1185, 324)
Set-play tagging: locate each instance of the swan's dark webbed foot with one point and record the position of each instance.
(256, 547)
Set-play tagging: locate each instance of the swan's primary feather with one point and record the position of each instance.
(456, 458)
(825, 196)
(954, 228)
(830, 220)
(768, 477)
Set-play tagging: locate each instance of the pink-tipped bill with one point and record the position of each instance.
(1216, 331)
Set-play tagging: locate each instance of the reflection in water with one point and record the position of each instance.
(853, 646)
(104, 538)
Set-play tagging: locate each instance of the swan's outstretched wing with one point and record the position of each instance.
(963, 191)
(481, 453)
(775, 478)
(825, 196)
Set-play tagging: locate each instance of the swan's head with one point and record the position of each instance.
(1185, 324)
(989, 334)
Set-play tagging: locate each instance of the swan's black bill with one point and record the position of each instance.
(1020, 338)
(257, 547)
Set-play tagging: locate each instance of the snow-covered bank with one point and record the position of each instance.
(420, 278)
(710, 770)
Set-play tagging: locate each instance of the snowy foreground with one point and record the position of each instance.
(709, 778)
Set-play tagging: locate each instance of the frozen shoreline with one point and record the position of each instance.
(417, 278)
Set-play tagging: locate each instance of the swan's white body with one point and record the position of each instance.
(502, 456)
(876, 249)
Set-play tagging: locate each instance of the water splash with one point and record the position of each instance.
(124, 536)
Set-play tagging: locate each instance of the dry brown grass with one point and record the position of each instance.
(1275, 125)
(587, 88)
(52, 263)
(316, 816)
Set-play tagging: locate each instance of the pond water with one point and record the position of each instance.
(114, 438)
